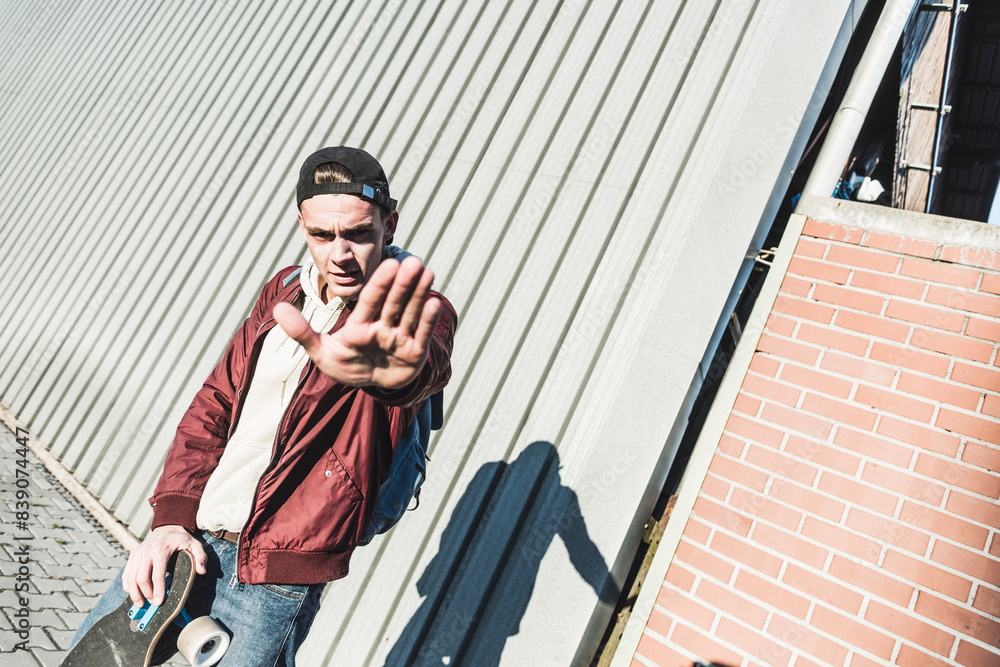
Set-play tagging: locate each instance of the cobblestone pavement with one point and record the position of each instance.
(57, 563)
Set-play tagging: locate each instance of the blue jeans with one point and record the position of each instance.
(267, 623)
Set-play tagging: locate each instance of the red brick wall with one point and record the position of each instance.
(850, 515)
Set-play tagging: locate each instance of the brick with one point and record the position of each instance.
(929, 316)
(731, 446)
(701, 560)
(721, 515)
(822, 587)
(888, 531)
(764, 365)
(704, 646)
(680, 606)
(910, 656)
(991, 406)
(973, 655)
(904, 245)
(806, 247)
(833, 232)
(976, 376)
(782, 326)
(853, 631)
(961, 254)
(697, 531)
(766, 509)
(804, 309)
(754, 431)
(847, 297)
(770, 592)
(939, 272)
(966, 561)
(807, 500)
(960, 618)
(872, 325)
(995, 546)
(893, 402)
(859, 493)
(898, 622)
(926, 438)
(903, 483)
(817, 381)
(988, 330)
(908, 357)
(770, 389)
(789, 545)
(831, 338)
(944, 524)
(752, 643)
(888, 284)
(984, 456)
(874, 447)
(859, 660)
(781, 465)
(839, 412)
(731, 604)
(986, 430)
(863, 258)
(857, 369)
(680, 577)
(747, 555)
(797, 420)
(738, 472)
(822, 454)
(990, 283)
(715, 487)
(787, 349)
(656, 652)
(819, 270)
(957, 474)
(971, 302)
(987, 600)
(795, 286)
(841, 540)
(747, 405)
(805, 639)
(926, 575)
(946, 393)
(870, 579)
(973, 508)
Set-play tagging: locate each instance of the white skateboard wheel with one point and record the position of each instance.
(202, 642)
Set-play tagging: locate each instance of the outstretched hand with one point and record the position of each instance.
(384, 341)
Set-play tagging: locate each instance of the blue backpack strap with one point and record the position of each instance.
(290, 277)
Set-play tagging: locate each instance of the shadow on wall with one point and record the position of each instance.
(477, 588)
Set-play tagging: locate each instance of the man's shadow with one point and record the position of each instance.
(477, 588)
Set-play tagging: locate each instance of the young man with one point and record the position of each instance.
(276, 464)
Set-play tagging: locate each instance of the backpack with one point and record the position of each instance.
(407, 471)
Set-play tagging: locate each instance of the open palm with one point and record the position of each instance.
(384, 341)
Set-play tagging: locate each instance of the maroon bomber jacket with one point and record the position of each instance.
(330, 455)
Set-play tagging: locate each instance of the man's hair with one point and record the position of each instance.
(333, 172)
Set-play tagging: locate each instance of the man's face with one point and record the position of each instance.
(346, 236)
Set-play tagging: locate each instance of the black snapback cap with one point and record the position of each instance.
(370, 182)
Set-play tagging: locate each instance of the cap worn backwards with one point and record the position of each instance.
(370, 182)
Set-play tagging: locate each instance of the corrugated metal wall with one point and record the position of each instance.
(554, 162)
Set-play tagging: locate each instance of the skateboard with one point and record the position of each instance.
(128, 636)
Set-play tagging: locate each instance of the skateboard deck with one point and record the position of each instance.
(129, 635)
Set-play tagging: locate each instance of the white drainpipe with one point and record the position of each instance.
(850, 117)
